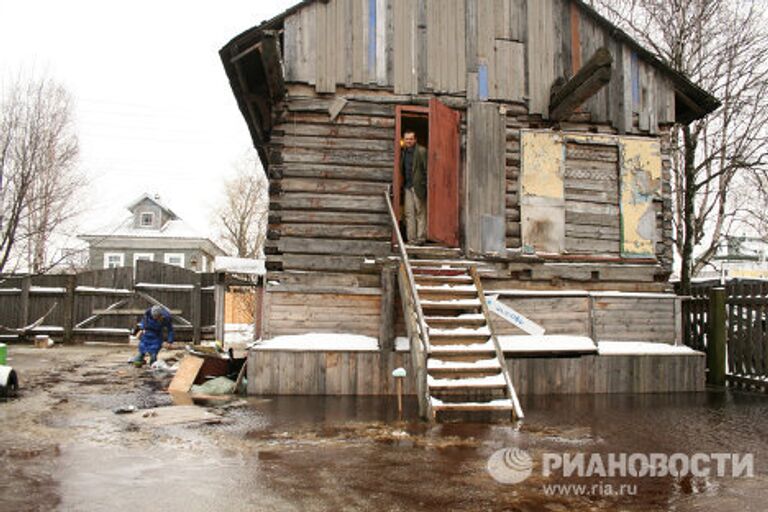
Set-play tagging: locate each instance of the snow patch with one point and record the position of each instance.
(489, 381)
(546, 343)
(320, 341)
(47, 289)
(638, 348)
(239, 265)
(96, 289)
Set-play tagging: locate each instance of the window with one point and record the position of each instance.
(174, 258)
(113, 259)
(143, 256)
(147, 219)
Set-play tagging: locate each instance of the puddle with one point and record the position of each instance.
(355, 454)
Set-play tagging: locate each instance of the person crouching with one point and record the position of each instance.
(151, 327)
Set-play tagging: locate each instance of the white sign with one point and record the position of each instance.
(512, 316)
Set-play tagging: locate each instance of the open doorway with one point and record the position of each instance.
(415, 119)
(436, 128)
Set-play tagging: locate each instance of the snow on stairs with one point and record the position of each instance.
(466, 379)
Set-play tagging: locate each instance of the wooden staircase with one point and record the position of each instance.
(460, 368)
(465, 367)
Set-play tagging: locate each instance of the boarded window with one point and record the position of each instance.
(592, 199)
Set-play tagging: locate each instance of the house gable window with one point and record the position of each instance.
(174, 258)
(113, 259)
(146, 219)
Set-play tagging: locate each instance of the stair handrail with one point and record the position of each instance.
(422, 324)
(497, 346)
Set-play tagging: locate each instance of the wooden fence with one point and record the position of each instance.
(105, 304)
(746, 319)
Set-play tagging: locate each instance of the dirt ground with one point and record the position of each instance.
(63, 448)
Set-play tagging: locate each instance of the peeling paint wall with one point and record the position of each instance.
(640, 185)
(542, 191)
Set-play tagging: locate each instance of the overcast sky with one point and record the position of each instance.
(154, 110)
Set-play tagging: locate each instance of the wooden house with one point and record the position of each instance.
(547, 130)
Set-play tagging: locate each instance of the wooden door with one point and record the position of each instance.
(443, 175)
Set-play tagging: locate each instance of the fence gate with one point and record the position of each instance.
(105, 304)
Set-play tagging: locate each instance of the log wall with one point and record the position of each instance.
(328, 224)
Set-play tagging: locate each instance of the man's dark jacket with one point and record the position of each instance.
(419, 170)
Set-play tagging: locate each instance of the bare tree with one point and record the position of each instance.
(242, 219)
(38, 177)
(722, 46)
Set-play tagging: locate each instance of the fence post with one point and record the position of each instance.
(387, 313)
(716, 338)
(196, 319)
(26, 284)
(69, 308)
(219, 297)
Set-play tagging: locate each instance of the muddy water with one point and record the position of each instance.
(62, 448)
(352, 454)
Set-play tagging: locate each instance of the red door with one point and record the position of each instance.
(443, 175)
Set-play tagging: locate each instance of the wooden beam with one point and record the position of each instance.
(255, 121)
(245, 52)
(595, 73)
(270, 59)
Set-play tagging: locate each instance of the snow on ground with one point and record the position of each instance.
(320, 341)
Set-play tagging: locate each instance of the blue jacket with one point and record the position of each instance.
(152, 339)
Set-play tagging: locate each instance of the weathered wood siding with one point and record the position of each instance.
(558, 315)
(302, 312)
(505, 50)
(592, 198)
(608, 374)
(635, 319)
(604, 317)
(485, 174)
(272, 372)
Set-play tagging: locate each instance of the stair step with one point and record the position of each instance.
(502, 404)
(487, 382)
(485, 350)
(433, 252)
(458, 263)
(459, 289)
(428, 278)
(438, 271)
(460, 332)
(439, 368)
(450, 303)
(450, 323)
(466, 339)
(434, 364)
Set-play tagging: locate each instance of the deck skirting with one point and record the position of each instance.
(292, 372)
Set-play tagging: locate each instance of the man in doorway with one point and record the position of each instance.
(413, 160)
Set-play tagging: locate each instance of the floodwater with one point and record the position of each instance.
(333, 453)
